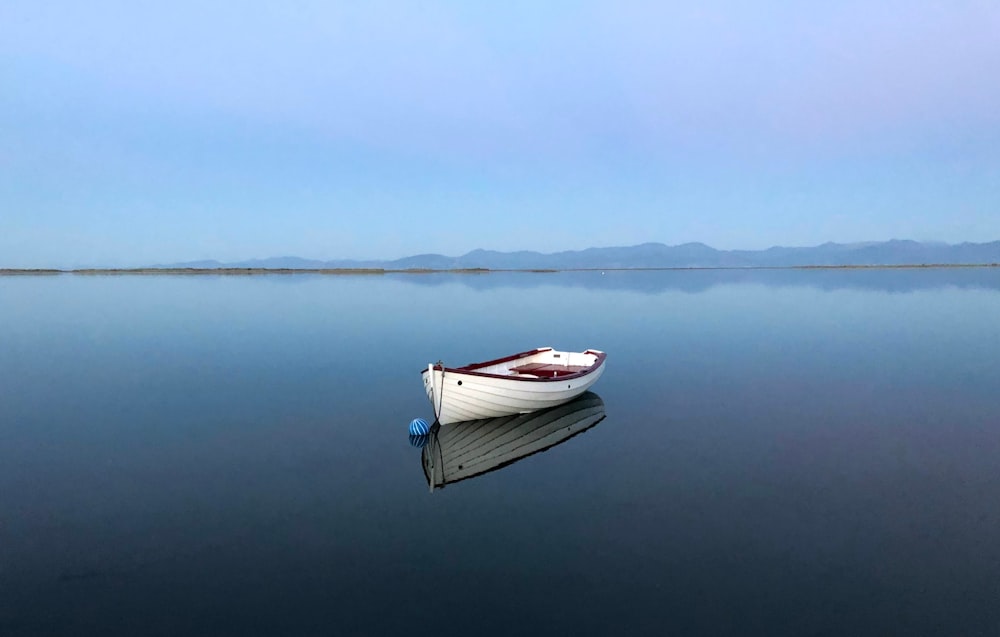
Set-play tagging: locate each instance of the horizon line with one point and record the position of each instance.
(378, 271)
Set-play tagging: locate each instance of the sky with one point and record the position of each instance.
(138, 132)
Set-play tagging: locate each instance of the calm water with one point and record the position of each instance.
(783, 453)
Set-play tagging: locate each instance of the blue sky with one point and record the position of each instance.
(138, 132)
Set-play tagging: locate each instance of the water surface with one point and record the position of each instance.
(784, 452)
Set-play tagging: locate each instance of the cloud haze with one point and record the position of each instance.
(138, 132)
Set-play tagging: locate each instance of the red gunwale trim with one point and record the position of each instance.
(469, 369)
(512, 357)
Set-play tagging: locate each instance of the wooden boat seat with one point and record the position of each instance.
(545, 370)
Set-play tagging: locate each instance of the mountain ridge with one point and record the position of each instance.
(655, 255)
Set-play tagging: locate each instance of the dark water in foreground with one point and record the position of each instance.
(783, 453)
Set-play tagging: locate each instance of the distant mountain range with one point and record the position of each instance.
(658, 255)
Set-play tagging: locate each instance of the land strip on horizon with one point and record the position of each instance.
(379, 271)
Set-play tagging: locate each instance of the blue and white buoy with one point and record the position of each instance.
(419, 427)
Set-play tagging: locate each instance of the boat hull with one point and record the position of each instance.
(459, 395)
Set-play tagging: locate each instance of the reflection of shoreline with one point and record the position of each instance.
(891, 279)
(350, 271)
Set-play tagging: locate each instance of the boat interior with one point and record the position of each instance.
(546, 363)
(544, 370)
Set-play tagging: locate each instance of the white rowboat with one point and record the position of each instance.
(516, 384)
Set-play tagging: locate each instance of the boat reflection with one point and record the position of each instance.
(464, 450)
